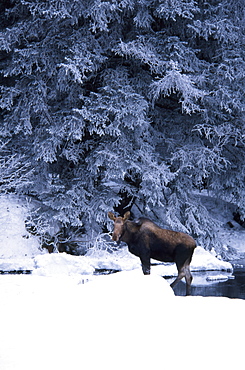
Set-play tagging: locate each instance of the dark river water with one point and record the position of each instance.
(204, 283)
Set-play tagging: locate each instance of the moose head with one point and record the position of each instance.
(119, 223)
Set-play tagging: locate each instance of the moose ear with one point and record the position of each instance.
(111, 216)
(126, 216)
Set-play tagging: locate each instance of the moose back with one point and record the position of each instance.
(146, 240)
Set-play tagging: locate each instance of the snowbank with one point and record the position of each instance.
(123, 260)
(15, 241)
(203, 260)
(17, 264)
(120, 260)
(122, 321)
(62, 264)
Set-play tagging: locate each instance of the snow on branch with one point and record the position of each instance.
(143, 50)
(171, 9)
(15, 172)
(204, 160)
(175, 82)
(221, 134)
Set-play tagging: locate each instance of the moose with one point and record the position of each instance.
(146, 240)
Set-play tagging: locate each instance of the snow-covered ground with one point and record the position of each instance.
(121, 321)
(64, 317)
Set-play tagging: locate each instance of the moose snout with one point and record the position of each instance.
(115, 237)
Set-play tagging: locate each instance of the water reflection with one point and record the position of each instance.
(233, 287)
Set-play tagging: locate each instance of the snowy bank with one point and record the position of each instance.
(121, 321)
(62, 263)
(122, 260)
(203, 260)
(17, 264)
(15, 241)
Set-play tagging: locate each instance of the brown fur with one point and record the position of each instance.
(146, 240)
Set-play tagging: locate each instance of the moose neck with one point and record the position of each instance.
(130, 229)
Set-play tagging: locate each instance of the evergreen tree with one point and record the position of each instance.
(138, 101)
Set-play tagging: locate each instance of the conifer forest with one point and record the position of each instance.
(117, 105)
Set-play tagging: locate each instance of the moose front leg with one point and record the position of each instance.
(146, 262)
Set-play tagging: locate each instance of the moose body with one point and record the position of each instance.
(146, 240)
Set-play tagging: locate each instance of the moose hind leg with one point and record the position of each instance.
(183, 259)
(180, 276)
(184, 271)
(188, 279)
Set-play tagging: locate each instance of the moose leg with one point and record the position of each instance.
(183, 260)
(188, 279)
(184, 271)
(180, 276)
(145, 262)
